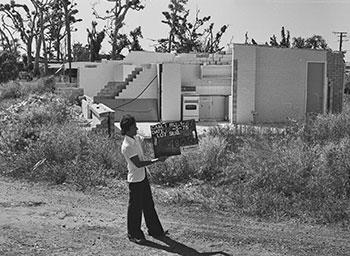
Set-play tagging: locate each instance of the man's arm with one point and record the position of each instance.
(139, 163)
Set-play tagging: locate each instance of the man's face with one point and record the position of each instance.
(133, 130)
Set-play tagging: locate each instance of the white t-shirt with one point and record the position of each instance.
(132, 147)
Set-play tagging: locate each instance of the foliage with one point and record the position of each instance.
(15, 14)
(115, 17)
(314, 42)
(303, 174)
(285, 39)
(13, 90)
(56, 32)
(40, 141)
(80, 52)
(95, 42)
(40, 23)
(185, 36)
(8, 66)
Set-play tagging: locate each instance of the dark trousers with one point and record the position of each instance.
(141, 201)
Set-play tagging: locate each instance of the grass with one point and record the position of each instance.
(304, 174)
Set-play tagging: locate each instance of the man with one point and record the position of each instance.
(140, 195)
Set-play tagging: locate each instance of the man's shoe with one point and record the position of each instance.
(137, 240)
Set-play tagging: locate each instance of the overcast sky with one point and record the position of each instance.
(260, 18)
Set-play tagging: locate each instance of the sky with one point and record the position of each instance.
(260, 18)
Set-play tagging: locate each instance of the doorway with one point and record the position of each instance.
(315, 87)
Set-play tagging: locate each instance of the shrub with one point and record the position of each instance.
(174, 171)
(8, 66)
(10, 90)
(41, 86)
(211, 157)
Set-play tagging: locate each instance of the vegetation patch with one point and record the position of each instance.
(303, 174)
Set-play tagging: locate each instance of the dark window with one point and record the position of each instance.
(190, 107)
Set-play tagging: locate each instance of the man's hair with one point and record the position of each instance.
(126, 122)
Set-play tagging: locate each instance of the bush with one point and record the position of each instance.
(174, 171)
(10, 90)
(8, 66)
(41, 86)
(14, 89)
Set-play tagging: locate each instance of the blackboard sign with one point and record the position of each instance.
(169, 137)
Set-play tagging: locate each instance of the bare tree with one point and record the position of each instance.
(22, 20)
(186, 36)
(115, 17)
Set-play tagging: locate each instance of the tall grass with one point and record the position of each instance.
(303, 174)
(39, 141)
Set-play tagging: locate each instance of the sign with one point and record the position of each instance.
(169, 138)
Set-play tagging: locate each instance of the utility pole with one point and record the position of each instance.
(341, 36)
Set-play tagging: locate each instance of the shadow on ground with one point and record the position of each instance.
(179, 248)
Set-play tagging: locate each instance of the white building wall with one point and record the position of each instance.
(190, 74)
(246, 80)
(272, 82)
(281, 82)
(171, 92)
(144, 57)
(94, 76)
(135, 87)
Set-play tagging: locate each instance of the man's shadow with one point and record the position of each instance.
(179, 248)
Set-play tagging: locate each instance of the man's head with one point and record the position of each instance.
(128, 125)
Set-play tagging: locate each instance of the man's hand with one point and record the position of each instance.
(162, 158)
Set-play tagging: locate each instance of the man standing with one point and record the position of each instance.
(140, 195)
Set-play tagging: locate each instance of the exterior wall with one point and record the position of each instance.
(271, 82)
(143, 57)
(121, 71)
(281, 82)
(134, 88)
(94, 76)
(335, 74)
(141, 109)
(246, 80)
(171, 92)
(213, 87)
(215, 71)
(190, 74)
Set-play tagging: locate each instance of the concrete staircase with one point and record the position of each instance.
(113, 88)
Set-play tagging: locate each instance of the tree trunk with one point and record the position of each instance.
(58, 50)
(114, 43)
(29, 52)
(38, 45)
(69, 50)
(46, 65)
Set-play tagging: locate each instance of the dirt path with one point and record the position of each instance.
(37, 219)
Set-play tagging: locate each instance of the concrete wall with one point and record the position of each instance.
(246, 80)
(171, 92)
(121, 71)
(135, 87)
(213, 87)
(143, 57)
(271, 82)
(94, 76)
(141, 109)
(190, 73)
(335, 74)
(216, 71)
(281, 82)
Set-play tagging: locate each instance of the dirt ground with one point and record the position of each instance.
(39, 219)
